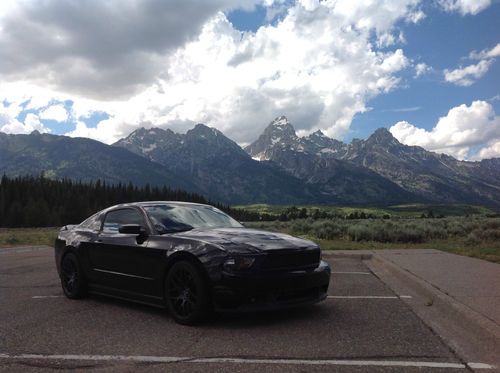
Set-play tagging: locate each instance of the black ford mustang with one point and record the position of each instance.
(190, 258)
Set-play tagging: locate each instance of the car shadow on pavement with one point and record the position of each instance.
(231, 320)
(247, 320)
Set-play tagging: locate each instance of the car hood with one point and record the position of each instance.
(244, 239)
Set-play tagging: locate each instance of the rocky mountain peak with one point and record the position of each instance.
(144, 141)
(144, 133)
(279, 132)
(280, 128)
(138, 133)
(382, 136)
(214, 142)
(320, 144)
(320, 138)
(203, 131)
(317, 133)
(280, 121)
(200, 127)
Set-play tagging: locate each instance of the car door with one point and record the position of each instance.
(123, 263)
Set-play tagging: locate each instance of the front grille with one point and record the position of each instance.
(291, 259)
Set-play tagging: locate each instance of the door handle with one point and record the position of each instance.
(99, 240)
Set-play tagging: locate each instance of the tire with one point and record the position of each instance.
(72, 278)
(186, 293)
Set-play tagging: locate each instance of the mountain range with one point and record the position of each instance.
(426, 175)
(277, 168)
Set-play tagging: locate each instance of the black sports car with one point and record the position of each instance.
(190, 258)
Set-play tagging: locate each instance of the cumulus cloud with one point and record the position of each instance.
(462, 129)
(416, 17)
(422, 69)
(81, 130)
(388, 39)
(102, 49)
(11, 125)
(486, 53)
(464, 7)
(492, 150)
(275, 11)
(55, 112)
(466, 76)
(10, 111)
(314, 65)
(318, 65)
(17, 98)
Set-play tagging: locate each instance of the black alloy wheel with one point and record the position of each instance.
(72, 280)
(186, 293)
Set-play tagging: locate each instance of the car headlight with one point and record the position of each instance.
(238, 263)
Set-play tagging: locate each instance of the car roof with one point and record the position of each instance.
(154, 203)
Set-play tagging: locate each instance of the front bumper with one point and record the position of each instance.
(255, 292)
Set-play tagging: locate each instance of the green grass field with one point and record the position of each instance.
(12, 237)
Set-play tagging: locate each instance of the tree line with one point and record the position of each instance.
(292, 213)
(37, 201)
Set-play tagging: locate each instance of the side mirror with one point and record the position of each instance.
(132, 229)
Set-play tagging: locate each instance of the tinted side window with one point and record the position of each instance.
(118, 217)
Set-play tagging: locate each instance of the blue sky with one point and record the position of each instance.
(344, 67)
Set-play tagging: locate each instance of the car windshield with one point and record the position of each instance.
(179, 218)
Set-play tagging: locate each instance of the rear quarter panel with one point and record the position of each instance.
(70, 239)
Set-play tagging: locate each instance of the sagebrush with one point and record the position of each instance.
(473, 229)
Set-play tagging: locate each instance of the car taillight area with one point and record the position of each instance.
(291, 259)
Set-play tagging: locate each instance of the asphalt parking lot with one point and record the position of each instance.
(363, 326)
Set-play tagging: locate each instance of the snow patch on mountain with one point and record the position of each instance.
(280, 121)
(149, 148)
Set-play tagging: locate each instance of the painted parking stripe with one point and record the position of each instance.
(22, 249)
(350, 273)
(329, 296)
(231, 360)
(369, 296)
(47, 296)
(480, 366)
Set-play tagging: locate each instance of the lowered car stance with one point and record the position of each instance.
(190, 258)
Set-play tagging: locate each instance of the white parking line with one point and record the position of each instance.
(22, 249)
(480, 366)
(231, 360)
(350, 273)
(329, 296)
(47, 296)
(369, 296)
